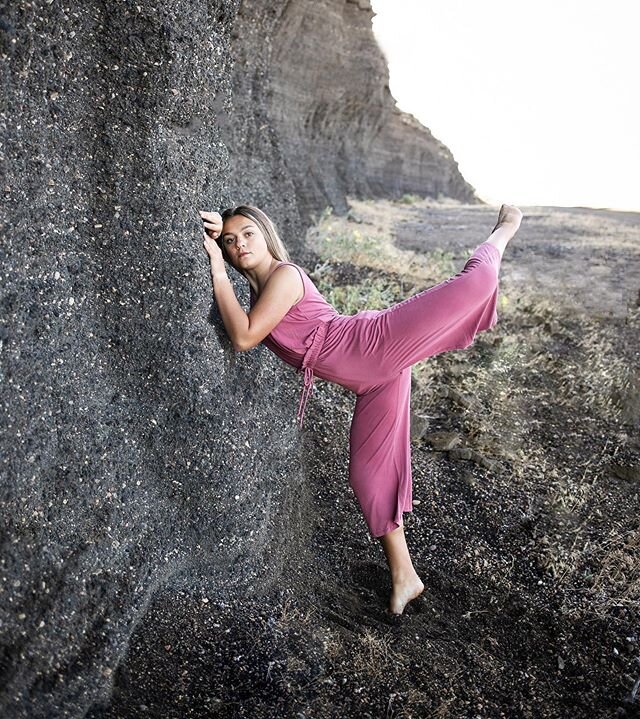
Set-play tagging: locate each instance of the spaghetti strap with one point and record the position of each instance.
(273, 270)
(302, 277)
(280, 265)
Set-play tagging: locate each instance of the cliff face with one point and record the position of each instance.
(139, 451)
(326, 96)
(340, 131)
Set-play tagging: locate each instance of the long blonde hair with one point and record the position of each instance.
(274, 244)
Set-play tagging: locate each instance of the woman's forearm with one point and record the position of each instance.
(234, 317)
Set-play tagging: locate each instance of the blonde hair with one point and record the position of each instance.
(274, 244)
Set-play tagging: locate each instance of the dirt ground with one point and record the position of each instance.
(581, 259)
(526, 527)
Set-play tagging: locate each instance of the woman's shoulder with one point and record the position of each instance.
(296, 271)
(293, 265)
(278, 266)
(284, 264)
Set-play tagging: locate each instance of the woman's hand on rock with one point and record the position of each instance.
(213, 227)
(213, 222)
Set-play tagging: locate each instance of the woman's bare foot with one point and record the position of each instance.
(403, 592)
(509, 219)
(406, 582)
(509, 215)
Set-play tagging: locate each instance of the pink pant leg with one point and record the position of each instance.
(444, 317)
(380, 454)
(372, 353)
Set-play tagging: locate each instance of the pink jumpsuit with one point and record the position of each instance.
(371, 354)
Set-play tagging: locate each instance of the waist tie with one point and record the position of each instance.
(308, 363)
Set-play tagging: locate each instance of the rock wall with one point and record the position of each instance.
(323, 83)
(139, 451)
(340, 130)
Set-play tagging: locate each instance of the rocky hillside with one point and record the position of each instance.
(139, 452)
(309, 116)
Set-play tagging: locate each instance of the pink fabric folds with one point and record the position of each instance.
(371, 353)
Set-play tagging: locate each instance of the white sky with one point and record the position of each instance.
(539, 102)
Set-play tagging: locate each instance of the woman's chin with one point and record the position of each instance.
(243, 263)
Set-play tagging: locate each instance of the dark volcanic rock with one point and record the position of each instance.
(139, 452)
(311, 105)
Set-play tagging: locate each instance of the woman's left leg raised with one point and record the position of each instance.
(449, 315)
(441, 318)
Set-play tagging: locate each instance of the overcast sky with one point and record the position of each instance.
(538, 101)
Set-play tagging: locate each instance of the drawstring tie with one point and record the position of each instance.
(306, 393)
(308, 363)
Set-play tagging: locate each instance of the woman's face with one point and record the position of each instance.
(244, 243)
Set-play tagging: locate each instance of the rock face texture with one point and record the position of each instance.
(328, 100)
(139, 451)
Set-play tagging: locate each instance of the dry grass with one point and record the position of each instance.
(377, 293)
(616, 579)
(608, 572)
(374, 655)
(370, 246)
(291, 614)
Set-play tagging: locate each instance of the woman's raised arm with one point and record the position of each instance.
(278, 295)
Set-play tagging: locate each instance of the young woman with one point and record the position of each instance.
(370, 353)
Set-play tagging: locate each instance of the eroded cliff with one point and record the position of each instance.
(338, 125)
(139, 451)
